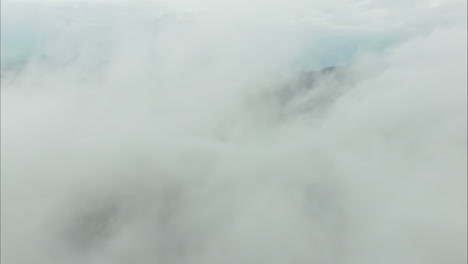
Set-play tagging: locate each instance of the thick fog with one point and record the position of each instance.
(177, 132)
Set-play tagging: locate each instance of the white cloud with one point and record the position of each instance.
(145, 113)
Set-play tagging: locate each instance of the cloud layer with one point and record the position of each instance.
(147, 133)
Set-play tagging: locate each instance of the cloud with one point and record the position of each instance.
(140, 138)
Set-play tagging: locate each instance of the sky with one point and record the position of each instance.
(332, 32)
